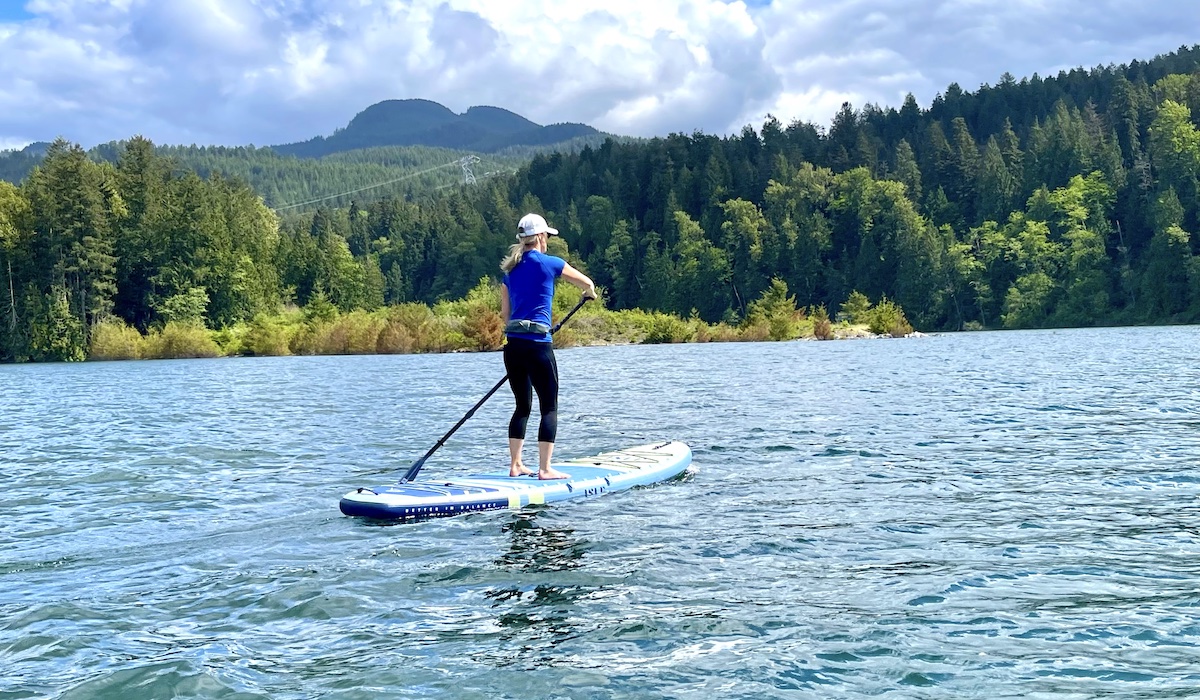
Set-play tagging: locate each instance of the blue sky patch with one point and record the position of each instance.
(13, 11)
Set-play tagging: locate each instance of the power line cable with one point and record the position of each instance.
(368, 187)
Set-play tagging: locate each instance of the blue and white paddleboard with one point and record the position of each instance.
(589, 476)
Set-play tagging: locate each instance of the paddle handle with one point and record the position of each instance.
(570, 314)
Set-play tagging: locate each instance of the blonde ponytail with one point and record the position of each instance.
(516, 252)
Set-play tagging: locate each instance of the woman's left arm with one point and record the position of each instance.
(505, 307)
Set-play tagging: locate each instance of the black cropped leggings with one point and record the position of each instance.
(531, 367)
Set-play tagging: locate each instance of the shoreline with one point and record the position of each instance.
(851, 332)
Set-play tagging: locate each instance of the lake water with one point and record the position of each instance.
(970, 515)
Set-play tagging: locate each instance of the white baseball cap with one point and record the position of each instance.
(533, 224)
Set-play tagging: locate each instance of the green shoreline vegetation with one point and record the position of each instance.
(1046, 202)
(473, 324)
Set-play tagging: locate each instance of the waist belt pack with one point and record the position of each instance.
(520, 325)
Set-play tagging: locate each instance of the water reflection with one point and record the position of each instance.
(537, 548)
(540, 618)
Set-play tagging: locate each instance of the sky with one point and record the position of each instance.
(236, 72)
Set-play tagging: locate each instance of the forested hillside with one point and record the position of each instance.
(1069, 200)
(15, 165)
(288, 182)
(401, 148)
(1061, 201)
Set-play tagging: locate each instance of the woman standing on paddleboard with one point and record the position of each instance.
(526, 298)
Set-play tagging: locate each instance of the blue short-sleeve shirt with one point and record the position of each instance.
(531, 291)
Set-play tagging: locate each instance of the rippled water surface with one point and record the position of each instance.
(970, 515)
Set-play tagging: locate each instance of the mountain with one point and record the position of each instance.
(16, 164)
(390, 148)
(425, 123)
(36, 149)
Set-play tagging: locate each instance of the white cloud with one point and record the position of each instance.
(876, 50)
(273, 71)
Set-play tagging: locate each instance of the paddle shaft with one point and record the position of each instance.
(416, 467)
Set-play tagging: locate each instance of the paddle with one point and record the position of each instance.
(416, 467)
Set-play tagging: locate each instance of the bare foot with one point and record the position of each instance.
(551, 473)
(519, 470)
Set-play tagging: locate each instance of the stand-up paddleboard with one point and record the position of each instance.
(589, 476)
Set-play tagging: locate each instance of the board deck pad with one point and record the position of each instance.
(588, 477)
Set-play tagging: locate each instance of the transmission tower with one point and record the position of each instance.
(466, 162)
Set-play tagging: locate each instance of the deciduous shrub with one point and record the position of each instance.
(664, 328)
(418, 321)
(266, 336)
(180, 340)
(395, 338)
(114, 339)
(483, 327)
(822, 327)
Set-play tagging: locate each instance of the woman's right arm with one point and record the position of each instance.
(580, 280)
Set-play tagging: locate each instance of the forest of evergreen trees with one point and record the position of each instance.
(1059, 201)
(288, 182)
